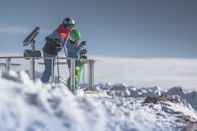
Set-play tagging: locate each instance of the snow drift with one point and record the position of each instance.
(28, 106)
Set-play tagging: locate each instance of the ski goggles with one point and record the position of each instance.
(70, 25)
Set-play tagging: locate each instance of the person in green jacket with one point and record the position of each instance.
(76, 50)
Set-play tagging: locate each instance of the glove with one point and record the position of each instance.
(83, 51)
(58, 47)
(83, 57)
(83, 43)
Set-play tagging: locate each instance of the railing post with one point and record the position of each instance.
(72, 74)
(33, 62)
(58, 69)
(53, 69)
(8, 62)
(83, 74)
(91, 74)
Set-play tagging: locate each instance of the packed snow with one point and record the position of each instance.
(135, 94)
(29, 106)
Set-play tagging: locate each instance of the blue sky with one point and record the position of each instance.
(126, 28)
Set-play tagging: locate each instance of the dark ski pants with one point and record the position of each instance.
(49, 62)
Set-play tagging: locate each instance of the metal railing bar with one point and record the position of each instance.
(13, 64)
(60, 63)
(90, 63)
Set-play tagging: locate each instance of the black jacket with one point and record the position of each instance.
(51, 47)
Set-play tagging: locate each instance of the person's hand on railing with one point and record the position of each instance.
(83, 51)
(58, 47)
(83, 43)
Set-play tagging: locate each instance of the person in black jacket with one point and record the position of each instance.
(54, 43)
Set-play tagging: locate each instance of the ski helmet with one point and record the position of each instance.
(69, 21)
(75, 35)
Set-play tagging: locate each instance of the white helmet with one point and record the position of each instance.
(69, 21)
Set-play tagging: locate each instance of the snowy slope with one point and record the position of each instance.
(25, 106)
